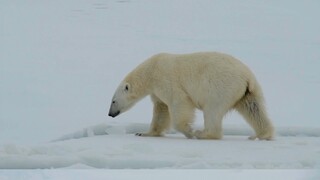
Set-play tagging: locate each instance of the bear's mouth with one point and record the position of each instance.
(114, 114)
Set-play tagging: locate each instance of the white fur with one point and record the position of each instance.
(212, 82)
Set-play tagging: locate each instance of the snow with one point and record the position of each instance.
(60, 62)
(157, 174)
(122, 150)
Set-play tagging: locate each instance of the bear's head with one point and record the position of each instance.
(122, 100)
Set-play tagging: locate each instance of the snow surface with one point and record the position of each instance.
(159, 174)
(118, 148)
(60, 62)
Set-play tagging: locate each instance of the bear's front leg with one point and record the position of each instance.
(207, 135)
(212, 124)
(182, 115)
(160, 119)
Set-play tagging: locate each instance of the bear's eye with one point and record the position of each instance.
(113, 102)
(126, 88)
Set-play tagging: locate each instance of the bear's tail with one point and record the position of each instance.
(251, 107)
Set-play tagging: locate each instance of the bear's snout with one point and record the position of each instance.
(114, 109)
(114, 114)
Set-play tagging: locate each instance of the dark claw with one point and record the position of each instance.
(138, 134)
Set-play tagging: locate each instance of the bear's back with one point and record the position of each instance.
(199, 62)
(202, 75)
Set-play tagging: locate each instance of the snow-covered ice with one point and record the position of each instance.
(60, 62)
(159, 174)
(120, 149)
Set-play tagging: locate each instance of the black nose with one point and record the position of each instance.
(114, 114)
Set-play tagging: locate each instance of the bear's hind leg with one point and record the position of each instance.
(252, 108)
(160, 119)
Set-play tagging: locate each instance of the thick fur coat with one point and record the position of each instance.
(178, 84)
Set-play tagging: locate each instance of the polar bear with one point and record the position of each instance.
(212, 82)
